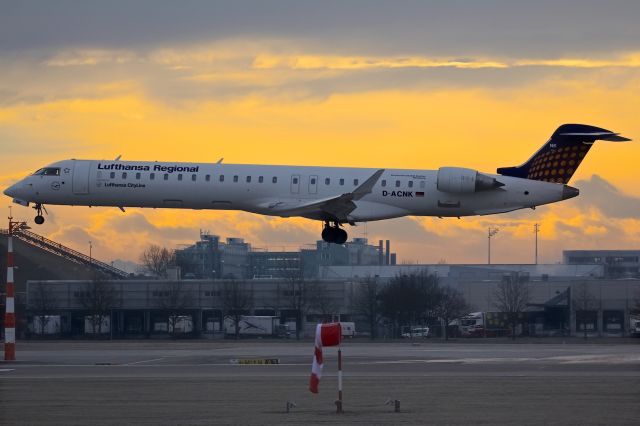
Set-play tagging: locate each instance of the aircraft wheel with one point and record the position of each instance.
(328, 234)
(341, 236)
(39, 220)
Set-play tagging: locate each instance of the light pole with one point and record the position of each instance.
(90, 257)
(536, 229)
(490, 233)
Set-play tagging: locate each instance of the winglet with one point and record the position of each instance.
(367, 185)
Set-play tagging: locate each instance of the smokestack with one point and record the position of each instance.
(387, 253)
(380, 253)
(393, 258)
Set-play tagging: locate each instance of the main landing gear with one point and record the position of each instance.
(334, 234)
(39, 219)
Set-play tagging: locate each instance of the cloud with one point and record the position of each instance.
(545, 27)
(601, 194)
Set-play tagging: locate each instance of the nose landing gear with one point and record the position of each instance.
(334, 234)
(39, 219)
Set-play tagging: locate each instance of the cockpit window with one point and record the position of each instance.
(48, 171)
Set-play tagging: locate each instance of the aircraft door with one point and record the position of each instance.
(80, 181)
(313, 184)
(295, 184)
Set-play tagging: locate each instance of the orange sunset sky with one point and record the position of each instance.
(399, 84)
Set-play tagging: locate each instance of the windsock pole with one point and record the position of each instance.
(10, 313)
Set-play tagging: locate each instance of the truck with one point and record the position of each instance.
(484, 324)
(256, 326)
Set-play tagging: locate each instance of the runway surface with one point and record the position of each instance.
(201, 383)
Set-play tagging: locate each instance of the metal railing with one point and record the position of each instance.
(65, 252)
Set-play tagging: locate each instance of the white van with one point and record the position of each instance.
(416, 332)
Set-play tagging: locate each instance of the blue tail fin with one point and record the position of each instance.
(560, 156)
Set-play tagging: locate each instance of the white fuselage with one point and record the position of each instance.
(272, 190)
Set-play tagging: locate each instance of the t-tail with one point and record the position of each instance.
(560, 156)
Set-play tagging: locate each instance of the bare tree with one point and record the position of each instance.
(237, 299)
(98, 298)
(583, 302)
(43, 304)
(299, 293)
(449, 306)
(367, 304)
(320, 300)
(512, 296)
(409, 300)
(174, 300)
(156, 260)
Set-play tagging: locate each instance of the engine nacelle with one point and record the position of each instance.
(464, 181)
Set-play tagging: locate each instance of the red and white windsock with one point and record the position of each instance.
(10, 313)
(326, 335)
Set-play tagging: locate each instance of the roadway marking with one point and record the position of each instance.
(6, 370)
(143, 361)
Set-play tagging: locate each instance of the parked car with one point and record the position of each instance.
(416, 332)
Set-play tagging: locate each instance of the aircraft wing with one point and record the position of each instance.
(337, 207)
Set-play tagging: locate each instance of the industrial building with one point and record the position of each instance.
(211, 258)
(616, 263)
(143, 307)
(335, 273)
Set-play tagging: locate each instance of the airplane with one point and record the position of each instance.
(333, 195)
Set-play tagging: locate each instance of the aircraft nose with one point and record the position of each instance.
(10, 191)
(569, 192)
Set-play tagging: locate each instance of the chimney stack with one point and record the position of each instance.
(387, 253)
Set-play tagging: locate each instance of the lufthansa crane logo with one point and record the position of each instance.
(55, 186)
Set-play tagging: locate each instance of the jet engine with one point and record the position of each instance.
(464, 181)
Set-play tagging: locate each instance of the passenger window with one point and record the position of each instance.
(221, 178)
(235, 178)
(410, 184)
(295, 180)
(274, 180)
(383, 183)
(397, 184)
(166, 176)
(112, 175)
(194, 177)
(152, 176)
(124, 175)
(313, 181)
(327, 181)
(355, 182)
(207, 178)
(138, 176)
(248, 179)
(179, 176)
(260, 179)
